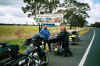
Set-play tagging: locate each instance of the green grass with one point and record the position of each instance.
(19, 43)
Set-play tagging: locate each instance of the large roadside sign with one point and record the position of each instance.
(49, 18)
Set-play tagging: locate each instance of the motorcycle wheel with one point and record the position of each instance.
(45, 61)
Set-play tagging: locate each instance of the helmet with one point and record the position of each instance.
(37, 36)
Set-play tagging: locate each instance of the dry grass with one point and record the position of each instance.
(84, 31)
(14, 32)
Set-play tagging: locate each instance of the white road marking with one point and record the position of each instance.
(86, 52)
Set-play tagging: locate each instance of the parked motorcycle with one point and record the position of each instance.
(56, 45)
(35, 54)
(75, 38)
(8, 54)
(36, 50)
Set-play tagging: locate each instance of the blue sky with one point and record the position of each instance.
(10, 11)
(96, 1)
(2, 2)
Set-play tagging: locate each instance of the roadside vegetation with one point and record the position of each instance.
(85, 30)
(96, 24)
(16, 34)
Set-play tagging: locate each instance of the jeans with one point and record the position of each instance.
(67, 51)
(46, 41)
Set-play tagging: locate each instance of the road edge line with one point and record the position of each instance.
(86, 52)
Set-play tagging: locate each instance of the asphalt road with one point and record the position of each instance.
(77, 50)
(93, 58)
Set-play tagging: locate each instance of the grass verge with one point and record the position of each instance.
(85, 30)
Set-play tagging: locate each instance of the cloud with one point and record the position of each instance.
(11, 13)
(94, 13)
(1, 13)
(61, 1)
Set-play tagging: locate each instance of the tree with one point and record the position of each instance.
(96, 24)
(34, 7)
(75, 13)
(51, 5)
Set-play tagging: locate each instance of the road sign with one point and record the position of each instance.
(49, 18)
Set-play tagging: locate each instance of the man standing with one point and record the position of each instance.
(45, 32)
(63, 37)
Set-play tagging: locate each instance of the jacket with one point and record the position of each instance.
(45, 33)
(63, 37)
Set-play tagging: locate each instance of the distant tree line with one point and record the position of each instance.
(97, 24)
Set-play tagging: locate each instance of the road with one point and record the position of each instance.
(93, 57)
(77, 50)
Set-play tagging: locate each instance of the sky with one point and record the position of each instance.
(10, 12)
(96, 1)
(94, 13)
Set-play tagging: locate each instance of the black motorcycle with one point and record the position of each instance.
(35, 54)
(9, 54)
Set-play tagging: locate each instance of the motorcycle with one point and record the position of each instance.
(36, 51)
(9, 54)
(75, 38)
(56, 46)
(35, 54)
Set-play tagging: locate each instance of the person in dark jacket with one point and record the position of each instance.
(63, 37)
(45, 32)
